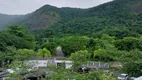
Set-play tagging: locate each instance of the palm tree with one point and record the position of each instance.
(44, 53)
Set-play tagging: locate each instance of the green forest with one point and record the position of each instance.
(111, 32)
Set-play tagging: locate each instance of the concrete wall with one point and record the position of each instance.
(44, 63)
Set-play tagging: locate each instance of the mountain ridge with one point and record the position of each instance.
(48, 15)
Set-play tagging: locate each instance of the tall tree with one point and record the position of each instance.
(44, 53)
(73, 43)
(79, 58)
(133, 68)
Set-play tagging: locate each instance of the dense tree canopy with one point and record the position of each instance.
(133, 68)
(106, 33)
(44, 53)
(73, 43)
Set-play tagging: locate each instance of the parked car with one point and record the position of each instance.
(132, 78)
(108, 72)
(123, 77)
(10, 71)
(84, 69)
(138, 78)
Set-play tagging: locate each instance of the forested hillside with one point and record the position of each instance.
(122, 13)
(109, 33)
(116, 18)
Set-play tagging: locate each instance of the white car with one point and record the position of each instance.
(10, 71)
(123, 77)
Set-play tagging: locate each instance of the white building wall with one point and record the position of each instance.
(44, 63)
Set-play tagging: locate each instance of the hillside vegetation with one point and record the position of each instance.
(116, 18)
(116, 13)
(111, 32)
